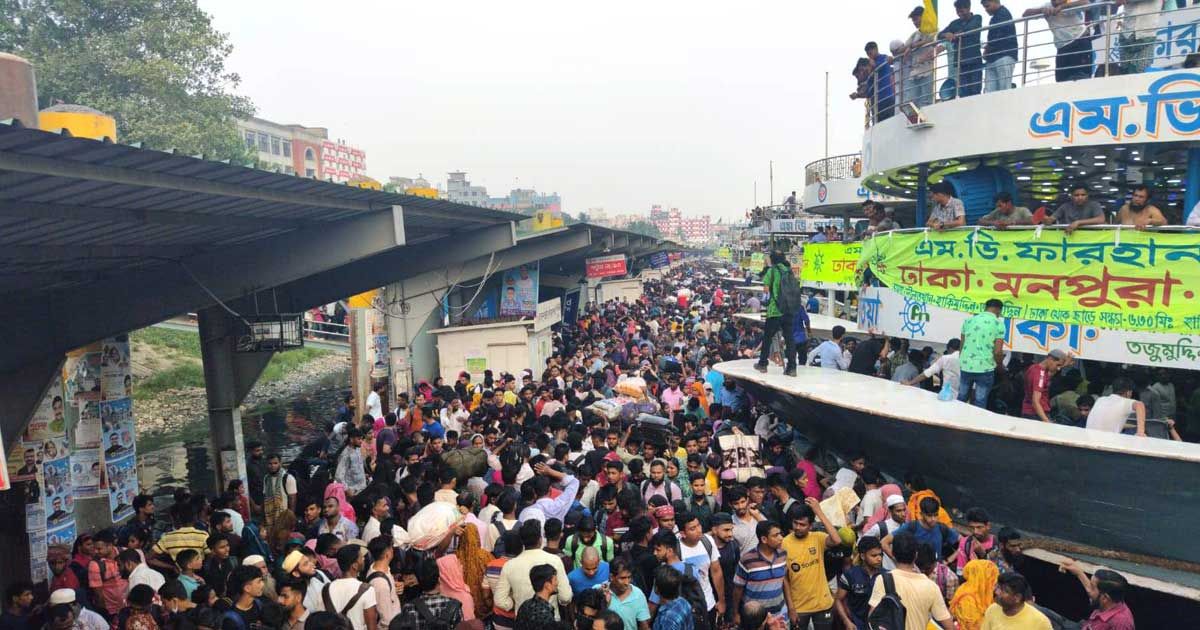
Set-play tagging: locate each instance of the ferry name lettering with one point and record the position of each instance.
(1175, 39)
(1090, 291)
(1172, 101)
(1159, 352)
(921, 275)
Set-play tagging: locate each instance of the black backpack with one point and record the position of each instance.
(693, 592)
(790, 299)
(498, 547)
(433, 621)
(889, 613)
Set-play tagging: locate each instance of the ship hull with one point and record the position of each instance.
(1109, 491)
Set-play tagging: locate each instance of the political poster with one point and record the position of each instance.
(606, 266)
(116, 380)
(122, 486)
(39, 571)
(519, 291)
(64, 534)
(116, 421)
(58, 497)
(87, 426)
(87, 478)
(82, 381)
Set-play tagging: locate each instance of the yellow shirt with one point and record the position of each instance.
(510, 398)
(922, 599)
(805, 581)
(1029, 618)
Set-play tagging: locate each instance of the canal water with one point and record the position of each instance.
(184, 457)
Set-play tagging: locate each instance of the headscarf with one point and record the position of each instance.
(451, 584)
(914, 506)
(881, 513)
(812, 487)
(698, 392)
(474, 560)
(974, 595)
(336, 490)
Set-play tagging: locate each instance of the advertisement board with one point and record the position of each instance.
(659, 260)
(830, 265)
(1104, 279)
(519, 291)
(606, 266)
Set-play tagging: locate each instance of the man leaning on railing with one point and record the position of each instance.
(1000, 52)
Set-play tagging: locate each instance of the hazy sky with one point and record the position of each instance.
(617, 104)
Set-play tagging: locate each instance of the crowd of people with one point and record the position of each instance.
(533, 500)
(1089, 39)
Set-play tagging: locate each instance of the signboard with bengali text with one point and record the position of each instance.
(606, 266)
(830, 265)
(1103, 279)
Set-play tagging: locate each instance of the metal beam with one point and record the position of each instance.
(60, 320)
(387, 267)
(93, 214)
(22, 163)
(62, 253)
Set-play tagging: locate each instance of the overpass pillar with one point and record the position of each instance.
(228, 377)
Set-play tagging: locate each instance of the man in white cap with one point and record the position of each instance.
(302, 566)
(897, 516)
(260, 563)
(84, 619)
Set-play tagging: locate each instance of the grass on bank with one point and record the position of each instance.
(189, 372)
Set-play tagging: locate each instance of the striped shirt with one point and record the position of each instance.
(503, 618)
(762, 578)
(182, 538)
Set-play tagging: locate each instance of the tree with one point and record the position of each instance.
(645, 228)
(156, 66)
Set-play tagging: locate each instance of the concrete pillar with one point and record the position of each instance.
(228, 377)
(413, 353)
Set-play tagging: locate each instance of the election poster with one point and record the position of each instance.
(116, 380)
(87, 427)
(58, 498)
(39, 571)
(116, 421)
(86, 476)
(82, 376)
(64, 534)
(122, 486)
(519, 291)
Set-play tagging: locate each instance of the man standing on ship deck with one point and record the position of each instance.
(982, 348)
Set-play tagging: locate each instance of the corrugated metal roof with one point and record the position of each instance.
(73, 209)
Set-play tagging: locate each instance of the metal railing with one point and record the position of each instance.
(940, 69)
(1012, 228)
(332, 331)
(836, 167)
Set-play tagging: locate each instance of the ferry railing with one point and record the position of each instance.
(1031, 228)
(847, 166)
(1121, 45)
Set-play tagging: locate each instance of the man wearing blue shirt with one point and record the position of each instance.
(926, 529)
(1000, 53)
(830, 351)
(592, 571)
(963, 33)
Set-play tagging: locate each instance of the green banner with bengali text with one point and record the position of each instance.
(830, 264)
(1109, 279)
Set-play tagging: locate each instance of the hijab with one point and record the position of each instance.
(885, 492)
(452, 585)
(974, 595)
(336, 490)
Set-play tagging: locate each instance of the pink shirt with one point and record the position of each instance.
(673, 398)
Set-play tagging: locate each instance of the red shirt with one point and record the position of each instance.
(1036, 379)
(1118, 617)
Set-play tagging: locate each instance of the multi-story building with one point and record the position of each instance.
(460, 190)
(696, 229)
(300, 150)
(342, 162)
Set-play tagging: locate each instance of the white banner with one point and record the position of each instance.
(898, 316)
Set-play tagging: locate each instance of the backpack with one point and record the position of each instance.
(498, 546)
(327, 599)
(789, 299)
(889, 613)
(667, 485)
(605, 548)
(693, 592)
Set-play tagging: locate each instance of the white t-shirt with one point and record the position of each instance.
(1110, 413)
(374, 405)
(341, 591)
(1067, 26)
(701, 559)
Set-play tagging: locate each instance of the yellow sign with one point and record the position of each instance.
(1128, 280)
(830, 265)
(724, 253)
(757, 262)
(363, 300)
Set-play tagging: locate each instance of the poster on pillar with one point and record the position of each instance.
(122, 486)
(116, 421)
(116, 380)
(86, 478)
(519, 291)
(82, 382)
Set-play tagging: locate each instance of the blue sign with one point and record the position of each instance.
(659, 260)
(570, 306)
